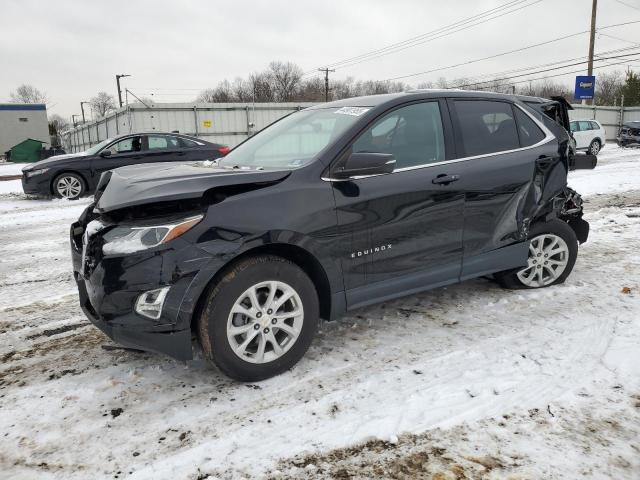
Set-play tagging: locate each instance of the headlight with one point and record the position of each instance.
(124, 239)
(40, 171)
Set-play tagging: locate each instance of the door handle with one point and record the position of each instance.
(444, 179)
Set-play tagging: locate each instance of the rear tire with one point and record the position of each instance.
(259, 319)
(69, 185)
(553, 251)
(594, 147)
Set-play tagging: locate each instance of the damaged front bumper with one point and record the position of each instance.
(113, 287)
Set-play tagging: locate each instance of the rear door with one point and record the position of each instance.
(406, 227)
(162, 148)
(511, 163)
(584, 134)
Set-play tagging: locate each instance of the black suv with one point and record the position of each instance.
(329, 209)
(70, 176)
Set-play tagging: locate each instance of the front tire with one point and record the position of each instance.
(259, 319)
(594, 147)
(69, 185)
(553, 250)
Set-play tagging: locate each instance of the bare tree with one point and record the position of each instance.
(57, 125)
(442, 83)
(241, 90)
(609, 87)
(28, 94)
(425, 85)
(221, 94)
(261, 87)
(286, 79)
(102, 103)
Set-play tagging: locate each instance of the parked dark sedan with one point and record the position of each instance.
(74, 175)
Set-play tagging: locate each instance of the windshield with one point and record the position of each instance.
(295, 140)
(96, 148)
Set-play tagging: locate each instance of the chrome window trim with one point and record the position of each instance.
(547, 138)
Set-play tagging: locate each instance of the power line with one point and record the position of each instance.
(527, 47)
(626, 4)
(557, 63)
(450, 29)
(550, 69)
(551, 76)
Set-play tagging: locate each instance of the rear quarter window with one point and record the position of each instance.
(528, 131)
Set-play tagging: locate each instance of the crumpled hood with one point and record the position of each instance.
(162, 182)
(52, 160)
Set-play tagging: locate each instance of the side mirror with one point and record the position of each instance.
(366, 163)
(105, 153)
(583, 162)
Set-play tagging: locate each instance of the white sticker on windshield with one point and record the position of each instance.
(355, 111)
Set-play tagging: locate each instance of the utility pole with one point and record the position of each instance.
(326, 82)
(118, 77)
(592, 38)
(85, 121)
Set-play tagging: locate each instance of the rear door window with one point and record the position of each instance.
(486, 126)
(584, 125)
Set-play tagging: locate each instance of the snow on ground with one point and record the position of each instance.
(468, 381)
(10, 168)
(10, 187)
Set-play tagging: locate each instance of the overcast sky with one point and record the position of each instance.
(73, 49)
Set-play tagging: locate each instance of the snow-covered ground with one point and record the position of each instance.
(10, 168)
(469, 381)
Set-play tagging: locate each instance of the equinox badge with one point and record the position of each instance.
(381, 248)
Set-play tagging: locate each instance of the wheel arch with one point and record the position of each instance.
(62, 172)
(295, 254)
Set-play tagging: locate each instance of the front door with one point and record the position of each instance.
(406, 227)
(127, 151)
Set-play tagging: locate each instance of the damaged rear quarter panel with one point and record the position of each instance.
(507, 192)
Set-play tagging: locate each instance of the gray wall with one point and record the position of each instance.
(13, 130)
(225, 123)
(610, 117)
(231, 123)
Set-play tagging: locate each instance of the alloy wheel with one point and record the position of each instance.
(265, 321)
(595, 148)
(68, 187)
(548, 258)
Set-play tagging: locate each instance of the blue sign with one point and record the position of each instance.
(585, 87)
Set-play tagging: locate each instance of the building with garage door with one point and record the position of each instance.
(20, 121)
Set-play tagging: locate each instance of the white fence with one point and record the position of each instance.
(231, 123)
(225, 123)
(610, 117)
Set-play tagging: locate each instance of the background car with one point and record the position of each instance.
(74, 175)
(629, 134)
(589, 135)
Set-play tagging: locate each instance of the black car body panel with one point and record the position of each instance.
(90, 166)
(361, 240)
(144, 184)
